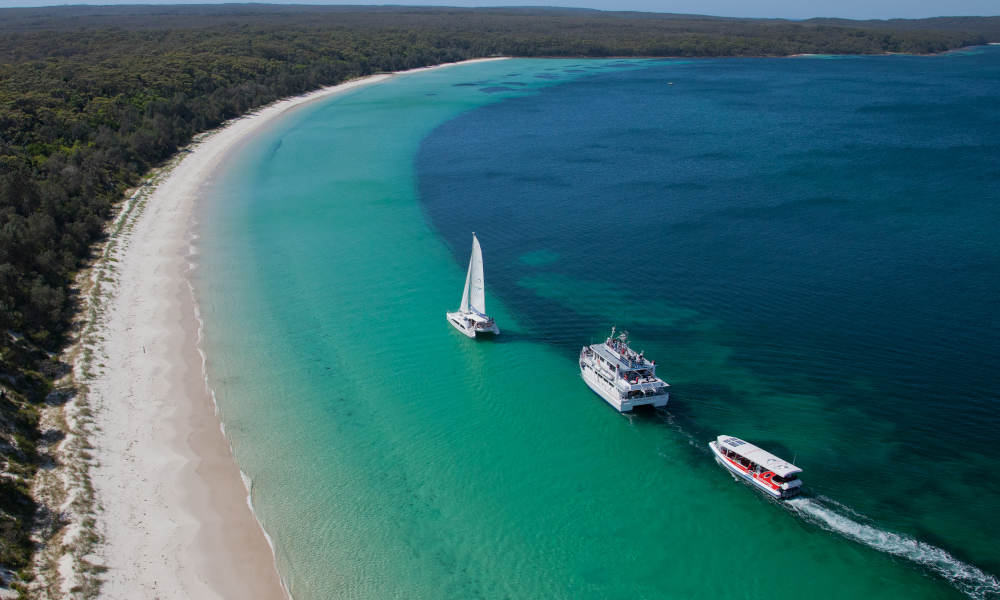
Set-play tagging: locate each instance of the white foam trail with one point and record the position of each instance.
(842, 508)
(970, 580)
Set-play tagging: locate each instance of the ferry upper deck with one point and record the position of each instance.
(756, 457)
(626, 360)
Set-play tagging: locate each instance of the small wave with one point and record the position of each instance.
(248, 484)
(247, 481)
(970, 580)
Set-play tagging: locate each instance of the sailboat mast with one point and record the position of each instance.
(477, 282)
(464, 306)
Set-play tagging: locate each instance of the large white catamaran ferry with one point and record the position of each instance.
(623, 377)
(763, 470)
(471, 317)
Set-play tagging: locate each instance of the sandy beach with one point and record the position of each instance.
(157, 482)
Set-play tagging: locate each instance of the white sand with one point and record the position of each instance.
(172, 507)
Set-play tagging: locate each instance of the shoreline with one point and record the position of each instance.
(150, 498)
(189, 325)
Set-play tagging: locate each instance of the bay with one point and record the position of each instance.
(806, 246)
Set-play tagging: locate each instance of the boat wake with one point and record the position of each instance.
(836, 518)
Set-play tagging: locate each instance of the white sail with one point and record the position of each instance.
(464, 306)
(475, 283)
(471, 318)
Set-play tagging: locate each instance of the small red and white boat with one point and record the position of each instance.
(762, 469)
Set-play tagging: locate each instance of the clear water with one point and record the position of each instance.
(807, 247)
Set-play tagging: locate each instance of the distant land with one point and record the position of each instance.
(93, 97)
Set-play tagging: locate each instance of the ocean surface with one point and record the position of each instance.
(808, 247)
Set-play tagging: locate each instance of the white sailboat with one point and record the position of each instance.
(471, 317)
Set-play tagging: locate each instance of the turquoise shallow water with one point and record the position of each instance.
(392, 457)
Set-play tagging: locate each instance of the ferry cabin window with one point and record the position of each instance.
(780, 479)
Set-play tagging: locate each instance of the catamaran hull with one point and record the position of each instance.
(460, 323)
(778, 494)
(611, 396)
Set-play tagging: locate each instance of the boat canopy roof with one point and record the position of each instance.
(624, 361)
(761, 457)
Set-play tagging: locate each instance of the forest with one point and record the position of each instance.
(93, 97)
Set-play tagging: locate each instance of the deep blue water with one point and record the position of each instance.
(810, 248)
(807, 248)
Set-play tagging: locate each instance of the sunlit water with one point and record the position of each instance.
(807, 247)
